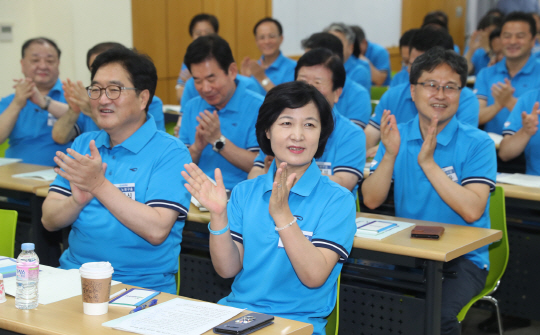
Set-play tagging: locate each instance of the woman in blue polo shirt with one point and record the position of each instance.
(283, 235)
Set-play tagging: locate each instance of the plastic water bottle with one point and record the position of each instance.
(27, 278)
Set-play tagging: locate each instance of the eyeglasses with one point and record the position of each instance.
(112, 91)
(433, 88)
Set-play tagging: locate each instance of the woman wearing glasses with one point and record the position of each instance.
(283, 235)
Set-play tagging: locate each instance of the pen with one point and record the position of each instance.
(118, 293)
(145, 305)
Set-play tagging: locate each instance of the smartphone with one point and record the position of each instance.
(246, 324)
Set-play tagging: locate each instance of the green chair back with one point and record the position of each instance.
(178, 278)
(169, 128)
(332, 321)
(8, 226)
(3, 148)
(498, 251)
(376, 95)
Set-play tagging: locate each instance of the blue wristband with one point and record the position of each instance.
(218, 232)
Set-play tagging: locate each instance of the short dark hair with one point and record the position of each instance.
(430, 37)
(435, 57)
(434, 21)
(40, 40)
(268, 19)
(489, 20)
(99, 48)
(360, 36)
(204, 17)
(293, 95)
(324, 40)
(140, 68)
(208, 47)
(522, 17)
(439, 14)
(494, 34)
(495, 12)
(341, 28)
(406, 38)
(326, 58)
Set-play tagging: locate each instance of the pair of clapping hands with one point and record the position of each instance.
(25, 89)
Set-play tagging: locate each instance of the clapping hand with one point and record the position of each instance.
(390, 136)
(212, 197)
(425, 156)
(279, 200)
(530, 121)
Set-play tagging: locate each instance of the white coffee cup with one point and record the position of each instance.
(96, 287)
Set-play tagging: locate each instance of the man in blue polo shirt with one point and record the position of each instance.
(498, 87)
(477, 53)
(354, 102)
(442, 170)
(521, 133)
(403, 75)
(27, 116)
(219, 125)
(398, 99)
(120, 189)
(377, 57)
(357, 70)
(344, 158)
(273, 68)
(78, 119)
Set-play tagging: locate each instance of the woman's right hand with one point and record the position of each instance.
(212, 197)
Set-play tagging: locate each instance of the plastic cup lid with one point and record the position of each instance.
(96, 268)
(28, 246)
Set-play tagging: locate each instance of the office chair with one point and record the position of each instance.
(332, 325)
(8, 226)
(376, 94)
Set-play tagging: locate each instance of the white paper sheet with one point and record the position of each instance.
(496, 138)
(37, 175)
(174, 108)
(6, 161)
(519, 179)
(400, 226)
(54, 284)
(175, 317)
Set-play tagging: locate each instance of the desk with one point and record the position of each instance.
(67, 317)
(47, 246)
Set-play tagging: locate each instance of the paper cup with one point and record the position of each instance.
(96, 287)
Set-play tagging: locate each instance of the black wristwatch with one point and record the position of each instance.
(219, 144)
(47, 103)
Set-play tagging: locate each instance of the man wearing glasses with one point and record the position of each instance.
(27, 116)
(120, 189)
(442, 170)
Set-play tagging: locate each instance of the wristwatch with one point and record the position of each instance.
(47, 103)
(265, 81)
(219, 144)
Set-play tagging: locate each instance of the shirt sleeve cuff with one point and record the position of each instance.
(337, 248)
(61, 190)
(183, 211)
(481, 180)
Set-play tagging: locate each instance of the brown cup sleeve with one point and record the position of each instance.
(96, 290)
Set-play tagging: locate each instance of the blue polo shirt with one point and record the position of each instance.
(237, 121)
(179, 81)
(355, 103)
(280, 71)
(267, 282)
(85, 123)
(465, 153)
(190, 92)
(359, 71)
(528, 78)
(146, 166)
(480, 60)
(401, 77)
(399, 101)
(380, 58)
(31, 137)
(345, 151)
(514, 123)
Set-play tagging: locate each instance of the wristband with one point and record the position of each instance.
(218, 232)
(286, 226)
(47, 103)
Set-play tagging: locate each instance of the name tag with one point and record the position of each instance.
(325, 167)
(51, 120)
(128, 189)
(307, 234)
(451, 173)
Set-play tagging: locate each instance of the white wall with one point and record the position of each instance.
(380, 19)
(75, 25)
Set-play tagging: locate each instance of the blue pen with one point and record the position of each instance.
(145, 305)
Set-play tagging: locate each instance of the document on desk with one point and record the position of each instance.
(360, 221)
(48, 174)
(6, 161)
(175, 317)
(519, 179)
(54, 284)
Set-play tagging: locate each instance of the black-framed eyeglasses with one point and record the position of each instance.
(112, 91)
(433, 88)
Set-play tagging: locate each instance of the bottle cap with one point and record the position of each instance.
(28, 246)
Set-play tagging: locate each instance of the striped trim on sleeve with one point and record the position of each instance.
(375, 124)
(349, 169)
(508, 132)
(338, 249)
(481, 96)
(481, 180)
(183, 211)
(237, 237)
(258, 164)
(253, 149)
(61, 190)
(359, 123)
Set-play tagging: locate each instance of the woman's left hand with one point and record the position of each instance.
(279, 200)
